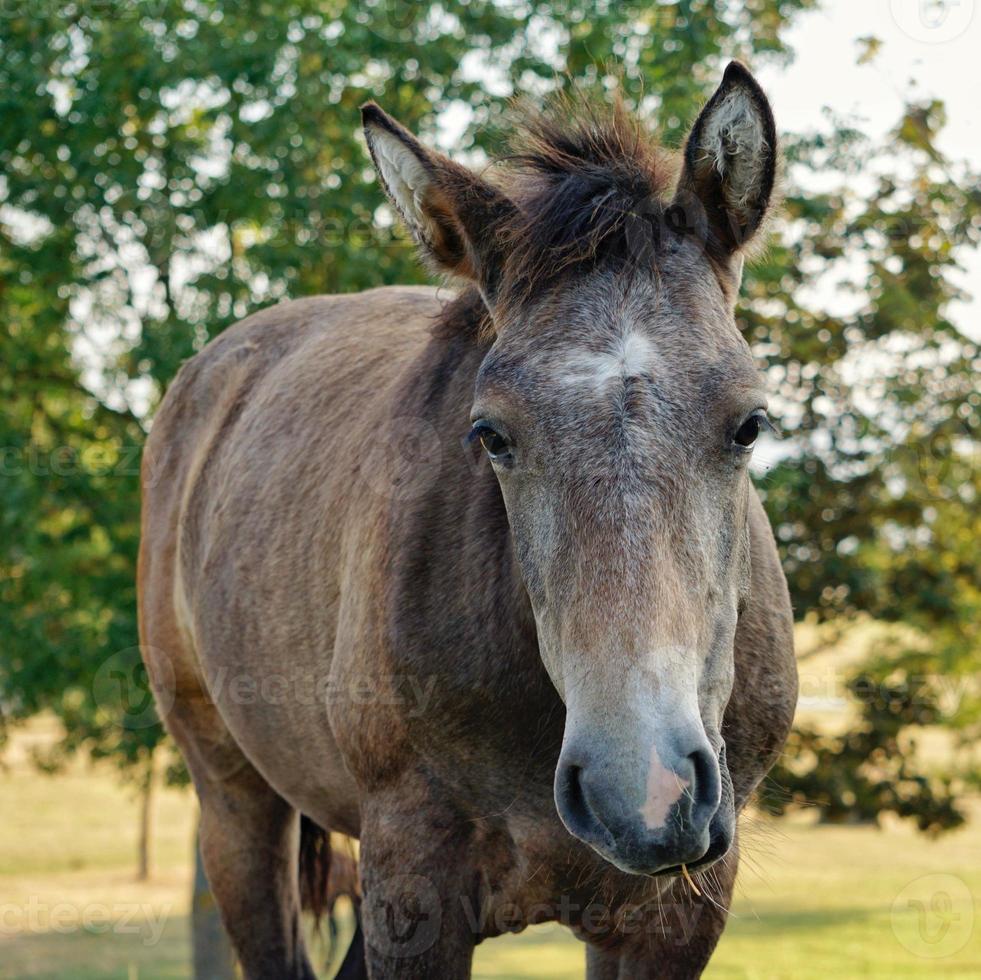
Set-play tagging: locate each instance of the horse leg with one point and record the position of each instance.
(249, 840)
(418, 909)
(602, 964)
(680, 936)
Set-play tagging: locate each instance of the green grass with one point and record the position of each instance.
(812, 902)
(819, 902)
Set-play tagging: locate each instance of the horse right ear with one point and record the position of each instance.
(453, 215)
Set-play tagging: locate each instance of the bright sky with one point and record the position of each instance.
(932, 45)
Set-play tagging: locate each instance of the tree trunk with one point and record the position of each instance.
(213, 956)
(146, 822)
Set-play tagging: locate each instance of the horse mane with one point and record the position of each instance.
(579, 172)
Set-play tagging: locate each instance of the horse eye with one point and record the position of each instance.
(495, 445)
(749, 431)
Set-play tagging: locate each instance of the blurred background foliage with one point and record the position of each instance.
(169, 166)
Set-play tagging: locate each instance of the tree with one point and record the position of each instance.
(876, 513)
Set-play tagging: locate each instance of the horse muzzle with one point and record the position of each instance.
(649, 822)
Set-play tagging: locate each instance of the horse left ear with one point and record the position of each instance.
(730, 162)
(453, 215)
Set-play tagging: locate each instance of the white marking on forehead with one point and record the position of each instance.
(631, 355)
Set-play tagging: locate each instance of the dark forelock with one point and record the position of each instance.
(580, 173)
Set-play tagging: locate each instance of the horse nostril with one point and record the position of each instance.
(572, 801)
(575, 797)
(706, 784)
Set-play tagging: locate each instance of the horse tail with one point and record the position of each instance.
(315, 861)
(325, 876)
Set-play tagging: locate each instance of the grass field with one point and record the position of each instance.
(813, 902)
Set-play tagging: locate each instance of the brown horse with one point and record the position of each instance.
(537, 679)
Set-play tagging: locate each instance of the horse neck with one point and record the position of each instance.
(455, 580)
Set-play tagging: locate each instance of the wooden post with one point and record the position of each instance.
(146, 821)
